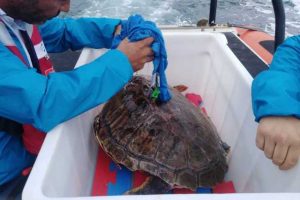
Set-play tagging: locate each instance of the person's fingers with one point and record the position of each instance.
(280, 154)
(124, 43)
(141, 66)
(147, 51)
(291, 158)
(147, 41)
(151, 53)
(260, 141)
(269, 147)
(148, 59)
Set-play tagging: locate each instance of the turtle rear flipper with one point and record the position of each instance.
(152, 185)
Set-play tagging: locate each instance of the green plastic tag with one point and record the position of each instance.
(155, 93)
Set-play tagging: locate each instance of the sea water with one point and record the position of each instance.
(258, 13)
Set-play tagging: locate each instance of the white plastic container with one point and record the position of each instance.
(65, 166)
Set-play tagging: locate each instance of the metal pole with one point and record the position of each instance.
(279, 22)
(212, 12)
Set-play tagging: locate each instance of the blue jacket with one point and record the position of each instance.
(276, 92)
(31, 98)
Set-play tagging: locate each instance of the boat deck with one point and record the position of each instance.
(65, 61)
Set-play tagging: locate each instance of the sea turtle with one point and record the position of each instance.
(174, 142)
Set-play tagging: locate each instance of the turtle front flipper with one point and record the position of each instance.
(152, 185)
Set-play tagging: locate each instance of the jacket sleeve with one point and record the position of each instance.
(62, 34)
(45, 101)
(276, 92)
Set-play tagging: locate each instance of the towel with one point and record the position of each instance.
(135, 29)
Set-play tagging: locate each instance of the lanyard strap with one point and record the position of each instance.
(31, 50)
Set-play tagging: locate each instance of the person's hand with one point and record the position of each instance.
(138, 52)
(279, 138)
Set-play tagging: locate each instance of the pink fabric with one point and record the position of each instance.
(194, 99)
(225, 187)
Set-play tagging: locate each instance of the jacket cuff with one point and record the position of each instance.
(275, 93)
(121, 65)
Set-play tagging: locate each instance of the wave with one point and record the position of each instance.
(187, 12)
(297, 5)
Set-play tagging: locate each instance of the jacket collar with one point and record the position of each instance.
(14, 23)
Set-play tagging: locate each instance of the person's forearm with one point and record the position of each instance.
(31, 98)
(62, 34)
(275, 92)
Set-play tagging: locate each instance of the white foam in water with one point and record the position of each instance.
(297, 5)
(153, 10)
(177, 12)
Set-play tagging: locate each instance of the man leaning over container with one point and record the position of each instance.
(276, 105)
(33, 99)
